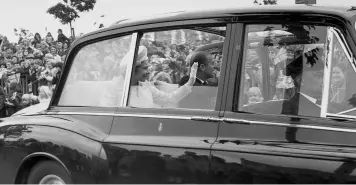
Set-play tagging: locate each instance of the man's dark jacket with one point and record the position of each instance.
(203, 95)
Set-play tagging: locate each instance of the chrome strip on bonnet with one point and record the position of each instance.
(225, 120)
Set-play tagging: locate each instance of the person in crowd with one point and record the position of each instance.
(9, 66)
(163, 77)
(14, 59)
(45, 47)
(57, 75)
(338, 85)
(37, 39)
(25, 53)
(59, 46)
(61, 37)
(60, 49)
(19, 56)
(26, 47)
(63, 58)
(46, 76)
(25, 101)
(254, 95)
(17, 47)
(13, 103)
(54, 53)
(49, 39)
(65, 48)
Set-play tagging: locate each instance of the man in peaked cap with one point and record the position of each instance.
(307, 73)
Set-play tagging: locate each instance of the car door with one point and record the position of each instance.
(168, 143)
(265, 138)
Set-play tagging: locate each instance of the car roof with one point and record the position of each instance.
(347, 12)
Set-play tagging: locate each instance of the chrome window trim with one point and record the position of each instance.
(330, 115)
(249, 122)
(223, 120)
(121, 115)
(344, 46)
(126, 88)
(344, 112)
(48, 155)
(327, 71)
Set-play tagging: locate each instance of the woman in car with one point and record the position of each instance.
(142, 92)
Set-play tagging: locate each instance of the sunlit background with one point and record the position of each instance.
(31, 14)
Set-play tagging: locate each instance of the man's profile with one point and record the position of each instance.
(203, 94)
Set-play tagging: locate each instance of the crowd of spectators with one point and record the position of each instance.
(30, 70)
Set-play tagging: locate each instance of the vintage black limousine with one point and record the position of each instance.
(274, 101)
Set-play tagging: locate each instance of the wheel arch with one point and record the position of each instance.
(29, 161)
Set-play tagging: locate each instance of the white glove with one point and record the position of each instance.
(193, 74)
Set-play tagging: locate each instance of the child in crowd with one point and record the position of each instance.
(254, 95)
(26, 101)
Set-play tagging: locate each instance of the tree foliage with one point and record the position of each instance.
(69, 11)
(64, 13)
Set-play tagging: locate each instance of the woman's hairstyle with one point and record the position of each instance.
(14, 56)
(38, 35)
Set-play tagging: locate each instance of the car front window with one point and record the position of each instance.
(96, 78)
(342, 95)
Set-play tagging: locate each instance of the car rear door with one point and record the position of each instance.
(258, 144)
(168, 144)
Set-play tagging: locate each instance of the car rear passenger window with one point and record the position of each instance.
(96, 76)
(283, 69)
(163, 65)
